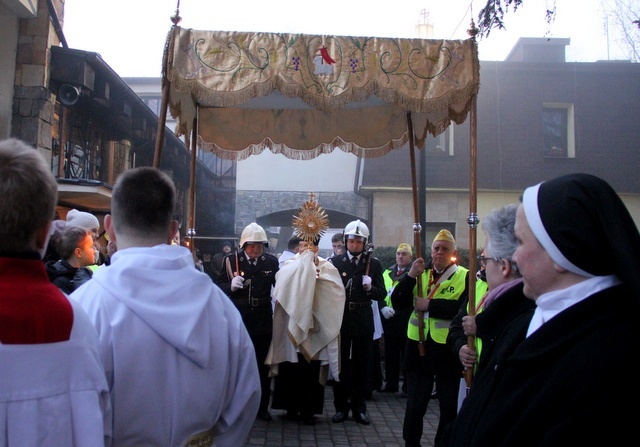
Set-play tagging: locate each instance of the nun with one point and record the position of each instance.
(569, 381)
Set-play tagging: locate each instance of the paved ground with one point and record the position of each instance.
(386, 412)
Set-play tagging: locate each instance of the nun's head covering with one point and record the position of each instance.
(585, 227)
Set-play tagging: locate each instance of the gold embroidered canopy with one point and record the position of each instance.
(304, 95)
(238, 93)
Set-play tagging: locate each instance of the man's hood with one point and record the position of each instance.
(164, 289)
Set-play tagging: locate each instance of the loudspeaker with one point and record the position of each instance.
(68, 95)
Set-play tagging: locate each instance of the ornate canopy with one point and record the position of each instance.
(304, 95)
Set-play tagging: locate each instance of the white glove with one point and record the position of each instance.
(366, 283)
(387, 312)
(237, 283)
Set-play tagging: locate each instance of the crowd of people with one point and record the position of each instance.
(151, 351)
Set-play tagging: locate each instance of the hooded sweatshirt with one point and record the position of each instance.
(178, 358)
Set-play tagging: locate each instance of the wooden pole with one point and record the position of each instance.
(473, 222)
(417, 228)
(162, 122)
(191, 231)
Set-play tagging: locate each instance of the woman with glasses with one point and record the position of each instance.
(504, 294)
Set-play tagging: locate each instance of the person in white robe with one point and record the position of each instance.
(179, 361)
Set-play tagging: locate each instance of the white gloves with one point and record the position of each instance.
(387, 312)
(366, 283)
(237, 283)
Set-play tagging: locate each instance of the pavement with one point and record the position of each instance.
(386, 411)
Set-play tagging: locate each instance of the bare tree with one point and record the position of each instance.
(622, 26)
(492, 15)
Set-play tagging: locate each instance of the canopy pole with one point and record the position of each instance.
(162, 121)
(167, 60)
(417, 229)
(473, 220)
(191, 231)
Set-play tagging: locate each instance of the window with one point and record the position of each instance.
(558, 130)
(154, 103)
(441, 145)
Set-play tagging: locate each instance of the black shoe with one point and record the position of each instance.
(361, 418)
(265, 415)
(403, 394)
(340, 416)
(389, 390)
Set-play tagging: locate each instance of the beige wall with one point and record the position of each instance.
(393, 214)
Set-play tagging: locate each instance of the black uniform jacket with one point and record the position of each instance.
(254, 300)
(358, 315)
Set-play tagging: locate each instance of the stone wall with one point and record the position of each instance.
(33, 108)
(277, 207)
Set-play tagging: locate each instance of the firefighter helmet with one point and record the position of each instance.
(255, 234)
(355, 229)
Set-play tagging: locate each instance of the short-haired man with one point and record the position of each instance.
(337, 245)
(53, 389)
(291, 251)
(178, 358)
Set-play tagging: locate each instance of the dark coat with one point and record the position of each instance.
(492, 325)
(495, 328)
(254, 300)
(66, 277)
(398, 323)
(569, 383)
(358, 315)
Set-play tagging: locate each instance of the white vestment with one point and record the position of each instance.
(55, 394)
(308, 315)
(178, 358)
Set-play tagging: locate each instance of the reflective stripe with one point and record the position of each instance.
(449, 289)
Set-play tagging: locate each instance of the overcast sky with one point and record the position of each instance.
(130, 34)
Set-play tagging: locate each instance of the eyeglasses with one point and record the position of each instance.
(482, 260)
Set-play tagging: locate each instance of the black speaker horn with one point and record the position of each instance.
(68, 95)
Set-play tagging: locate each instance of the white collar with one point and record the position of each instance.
(550, 304)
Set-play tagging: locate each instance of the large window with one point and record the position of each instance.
(558, 130)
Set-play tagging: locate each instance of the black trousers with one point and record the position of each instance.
(441, 366)
(261, 343)
(350, 391)
(394, 348)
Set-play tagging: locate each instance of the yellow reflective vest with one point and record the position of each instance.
(389, 285)
(449, 289)
(481, 290)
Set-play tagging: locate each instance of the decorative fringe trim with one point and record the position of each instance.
(302, 154)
